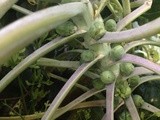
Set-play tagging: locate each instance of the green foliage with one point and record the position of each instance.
(123, 89)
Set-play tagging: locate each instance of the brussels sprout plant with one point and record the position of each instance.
(80, 56)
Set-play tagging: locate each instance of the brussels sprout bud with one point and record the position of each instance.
(110, 25)
(138, 100)
(98, 84)
(97, 30)
(117, 52)
(100, 48)
(133, 81)
(87, 56)
(66, 29)
(126, 68)
(107, 77)
(123, 89)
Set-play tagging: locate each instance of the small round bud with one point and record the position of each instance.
(107, 77)
(98, 84)
(87, 56)
(126, 68)
(138, 100)
(110, 25)
(133, 81)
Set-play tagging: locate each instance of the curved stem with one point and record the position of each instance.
(138, 33)
(33, 57)
(146, 79)
(5, 5)
(142, 62)
(71, 105)
(15, 37)
(130, 45)
(139, 71)
(133, 15)
(67, 87)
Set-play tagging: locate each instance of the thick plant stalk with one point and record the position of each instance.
(132, 108)
(133, 15)
(33, 57)
(22, 32)
(110, 101)
(67, 87)
(138, 33)
(142, 62)
(5, 5)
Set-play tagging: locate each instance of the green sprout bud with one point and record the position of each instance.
(117, 52)
(97, 30)
(134, 81)
(110, 25)
(124, 90)
(66, 29)
(126, 68)
(87, 56)
(138, 100)
(107, 77)
(98, 84)
(100, 48)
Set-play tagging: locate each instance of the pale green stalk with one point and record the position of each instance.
(149, 107)
(67, 87)
(138, 33)
(57, 63)
(133, 15)
(5, 81)
(21, 9)
(24, 31)
(129, 46)
(126, 7)
(5, 5)
(137, 3)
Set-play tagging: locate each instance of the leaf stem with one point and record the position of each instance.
(15, 37)
(67, 87)
(142, 62)
(132, 108)
(138, 33)
(33, 57)
(110, 101)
